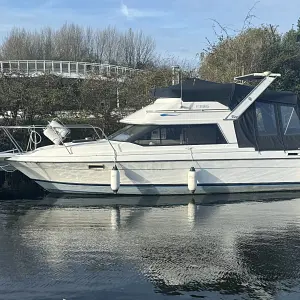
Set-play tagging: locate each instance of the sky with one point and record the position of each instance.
(180, 27)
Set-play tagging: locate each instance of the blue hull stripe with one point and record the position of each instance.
(178, 185)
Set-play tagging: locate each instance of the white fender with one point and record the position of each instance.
(115, 179)
(192, 180)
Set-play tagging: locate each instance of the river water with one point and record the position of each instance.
(217, 247)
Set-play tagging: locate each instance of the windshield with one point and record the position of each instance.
(130, 132)
(167, 135)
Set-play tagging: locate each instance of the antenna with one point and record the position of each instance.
(180, 85)
(175, 75)
(180, 88)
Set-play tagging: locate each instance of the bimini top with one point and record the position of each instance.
(228, 94)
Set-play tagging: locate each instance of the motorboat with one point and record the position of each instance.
(197, 137)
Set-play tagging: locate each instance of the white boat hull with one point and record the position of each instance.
(167, 177)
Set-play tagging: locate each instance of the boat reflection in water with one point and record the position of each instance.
(198, 246)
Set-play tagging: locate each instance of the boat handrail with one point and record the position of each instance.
(9, 151)
(33, 128)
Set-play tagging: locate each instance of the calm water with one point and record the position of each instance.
(151, 248)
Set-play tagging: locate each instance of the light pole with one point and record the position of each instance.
(175, 74)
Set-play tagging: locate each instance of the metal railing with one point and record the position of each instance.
(35, 138)
(68, 69)
(33, 133)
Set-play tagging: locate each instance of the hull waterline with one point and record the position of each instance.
(166, 189)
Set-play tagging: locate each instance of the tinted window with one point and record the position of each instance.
(290, 120)
(266, 119)
(202, 134)
(162, 135)
(130, 132)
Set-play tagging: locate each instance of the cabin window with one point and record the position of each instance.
(198, 134)
(162, 135)
(129, 132)
(290, 120)
(266, 119)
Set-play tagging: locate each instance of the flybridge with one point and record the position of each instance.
(263, 119)
(227, 94)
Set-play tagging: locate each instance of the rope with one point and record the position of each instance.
(32, 141)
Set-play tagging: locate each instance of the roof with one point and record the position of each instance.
(228, 94)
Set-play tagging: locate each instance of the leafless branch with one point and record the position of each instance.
(247, 21)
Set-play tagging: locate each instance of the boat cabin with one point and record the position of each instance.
(199, 112)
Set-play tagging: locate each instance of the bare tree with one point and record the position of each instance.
(100, 41)
(145, 47)
(16, 44)
(112, 45)
(137, 49)
(74, 43)
(68, 42)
